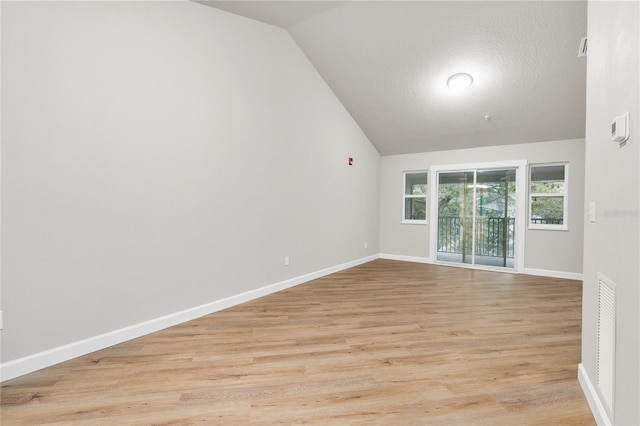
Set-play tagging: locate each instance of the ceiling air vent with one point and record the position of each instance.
(583, 47)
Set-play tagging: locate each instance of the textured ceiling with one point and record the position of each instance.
(388, 62)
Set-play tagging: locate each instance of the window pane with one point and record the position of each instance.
(415, 183)
(547, 187)
(547, 210)
(415, 209)
(547, 179)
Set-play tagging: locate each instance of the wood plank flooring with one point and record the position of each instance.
(387, 343)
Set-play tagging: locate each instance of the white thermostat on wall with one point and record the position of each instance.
(620, 128)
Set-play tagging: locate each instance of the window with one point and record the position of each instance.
(415, 197)
(548, 196)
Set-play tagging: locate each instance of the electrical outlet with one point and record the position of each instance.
(286, 261)
(366, 244)
(1, 321)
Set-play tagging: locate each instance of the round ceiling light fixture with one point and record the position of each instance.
(460, 81)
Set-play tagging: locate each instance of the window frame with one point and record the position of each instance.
(564, 194)
(406, 196)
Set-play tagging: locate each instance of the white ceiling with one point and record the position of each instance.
(388, 62)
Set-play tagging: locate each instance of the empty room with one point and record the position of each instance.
(320, 212)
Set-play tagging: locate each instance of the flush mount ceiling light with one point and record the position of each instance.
(460, 81)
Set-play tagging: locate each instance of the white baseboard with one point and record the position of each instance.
(529, 271)
(597, 408)
(553, 274)
(31, 363)
(406, 258)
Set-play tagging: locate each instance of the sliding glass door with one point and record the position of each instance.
(476, 217)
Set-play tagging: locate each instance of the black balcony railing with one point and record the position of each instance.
(494, 236)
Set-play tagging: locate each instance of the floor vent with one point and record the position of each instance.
(606, 339)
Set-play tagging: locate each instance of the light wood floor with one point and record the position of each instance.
(384, 343)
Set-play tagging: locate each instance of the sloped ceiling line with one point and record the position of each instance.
(388, 62)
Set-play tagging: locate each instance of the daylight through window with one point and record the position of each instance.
(415, 197)
(548, 196)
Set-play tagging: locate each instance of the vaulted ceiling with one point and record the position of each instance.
(388, 62)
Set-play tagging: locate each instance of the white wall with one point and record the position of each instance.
(612, 243)
(162, 155)
(554, 251)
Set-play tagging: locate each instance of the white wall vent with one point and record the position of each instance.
(582, 51)
(605, 369)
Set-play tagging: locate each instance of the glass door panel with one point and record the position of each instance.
(455, 217)
(495, 195)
